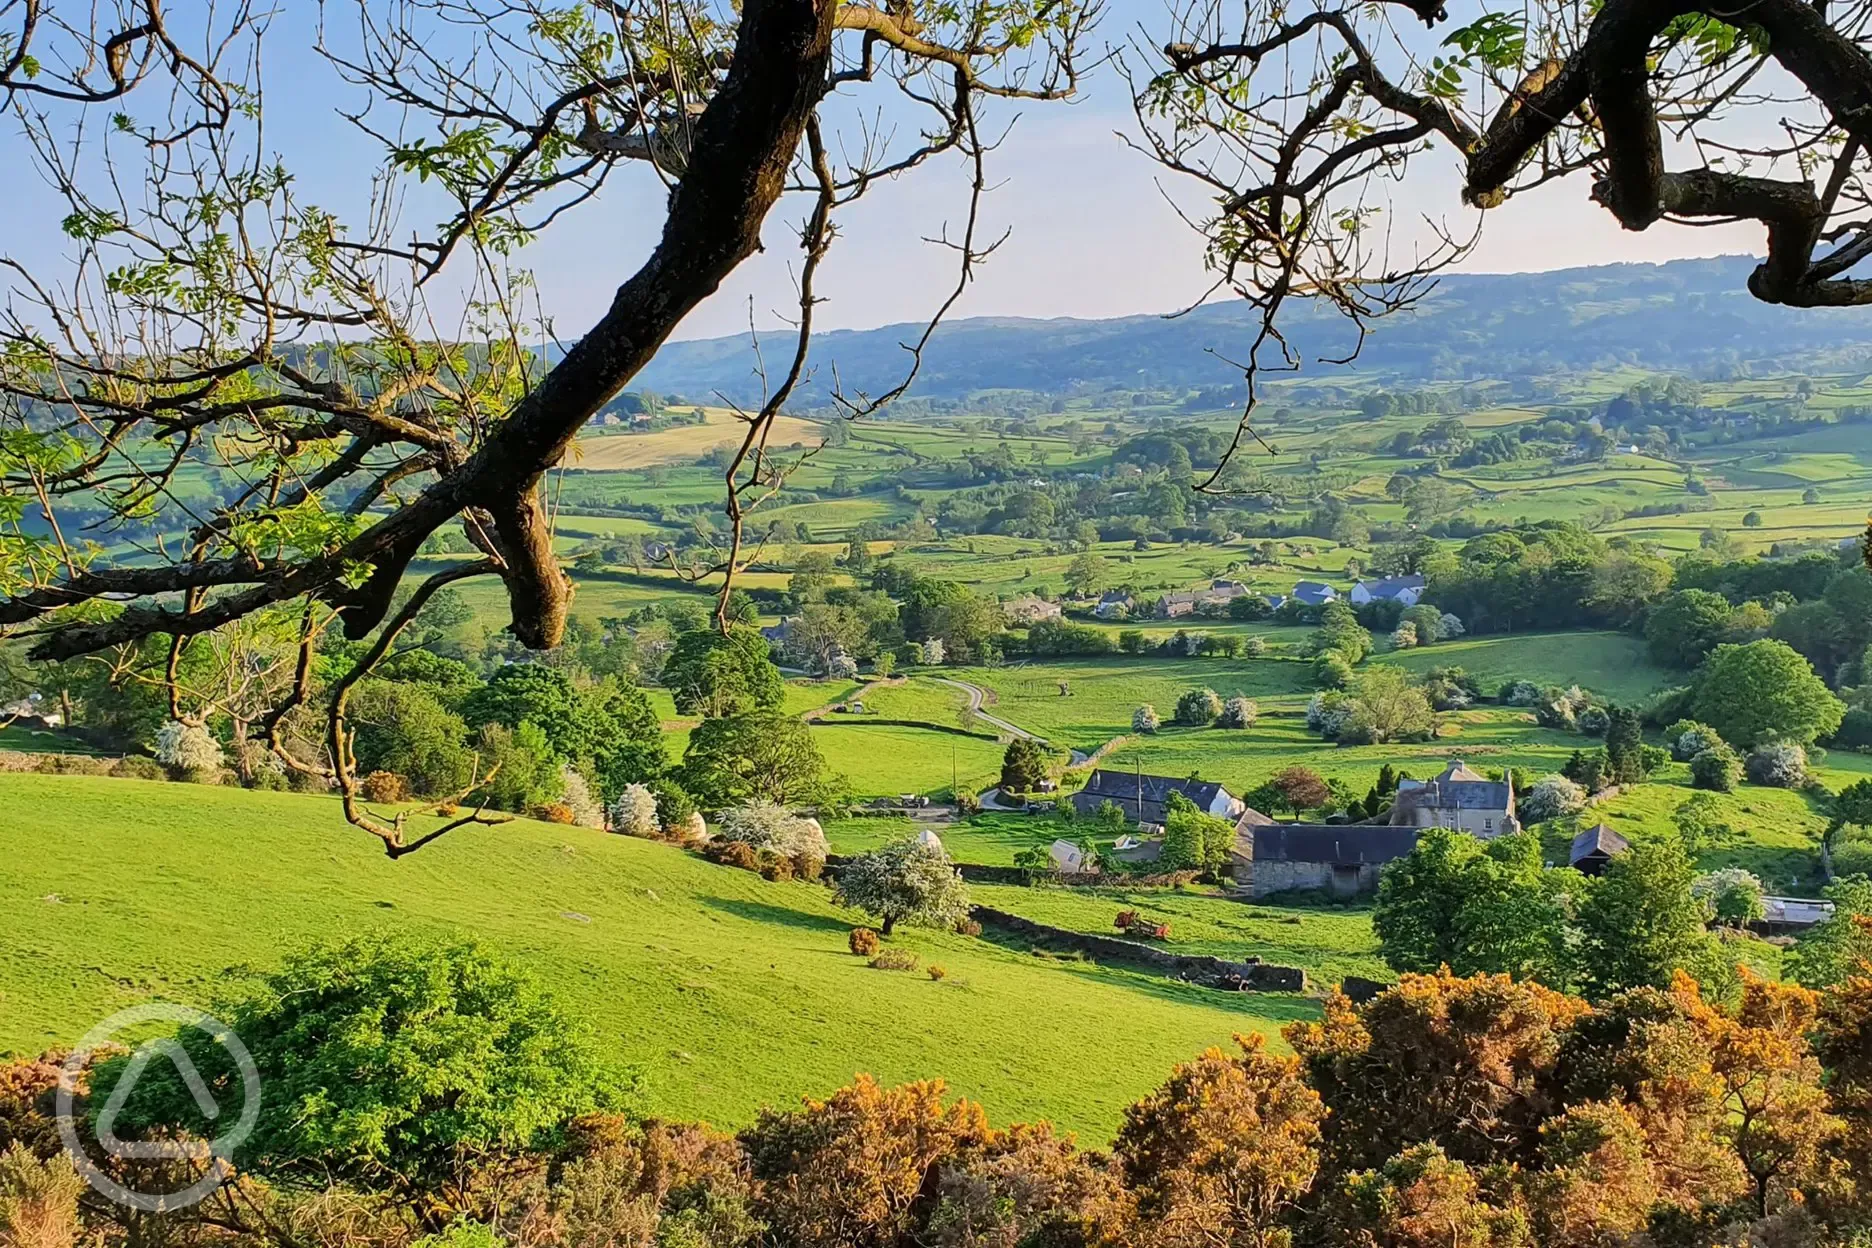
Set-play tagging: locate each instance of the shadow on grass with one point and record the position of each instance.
(783, 916)
(1274, 1007)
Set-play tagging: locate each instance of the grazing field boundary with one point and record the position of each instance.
(905, 723)
(1250, 975)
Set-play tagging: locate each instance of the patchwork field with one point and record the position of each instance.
(684, 443)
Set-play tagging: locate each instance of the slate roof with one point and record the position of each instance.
(1457, 787)
(1598, 839)
(1142, 797)
(1340, 844)
(1392, 586)
(1314, 593)
(1795, 911)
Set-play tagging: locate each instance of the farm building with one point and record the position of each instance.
(1457, 797)
(1187, 602)
(1135, 850)
(1142, 797)
(1339, 859)
(1594, 848)
(1792, 914)
(1403, 589)
(1029, 609)
(1068, 858)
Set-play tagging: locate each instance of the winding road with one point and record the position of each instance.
(978, 699)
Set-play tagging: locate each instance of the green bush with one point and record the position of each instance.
(1716, 768)
(383, 1060)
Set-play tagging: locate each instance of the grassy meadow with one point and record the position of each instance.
(727, 991)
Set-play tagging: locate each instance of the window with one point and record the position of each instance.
(1488, 825)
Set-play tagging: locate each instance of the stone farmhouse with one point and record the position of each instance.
(1338, 859)
(1029, 609)
(1458, 797)
(1141, 797)
(1188, 602)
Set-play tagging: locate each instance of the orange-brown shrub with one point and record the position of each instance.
(846, 1172)
(38, 1201)
(808, 867)
(731, 854)
(894, 960)
(936, 972)
(27, 1088)
(775, 867)
(554, 812)
(967, 927)
(386, 786)
(863, 941)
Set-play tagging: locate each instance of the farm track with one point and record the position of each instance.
(978, 699)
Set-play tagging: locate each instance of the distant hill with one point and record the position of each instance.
(1688, 316)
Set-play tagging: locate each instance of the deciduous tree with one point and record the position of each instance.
(904, 882)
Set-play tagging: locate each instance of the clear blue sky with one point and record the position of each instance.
(1092, 235)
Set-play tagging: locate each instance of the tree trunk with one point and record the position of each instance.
(890, 921)
(744, 142)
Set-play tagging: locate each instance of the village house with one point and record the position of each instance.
(1401, 589)
(1142, 797)
(1594, 848)
(1314, 593)
(1339, 859)
(1170, 606)
(1113, 602)
(1028, 610)
(1187, 602)
(1457, 797)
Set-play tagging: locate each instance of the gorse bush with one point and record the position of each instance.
(894, 960)
(1481, 1111)
(732, 854)
(863, 941)
(385, 786)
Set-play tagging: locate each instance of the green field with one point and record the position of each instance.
(727, 991)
